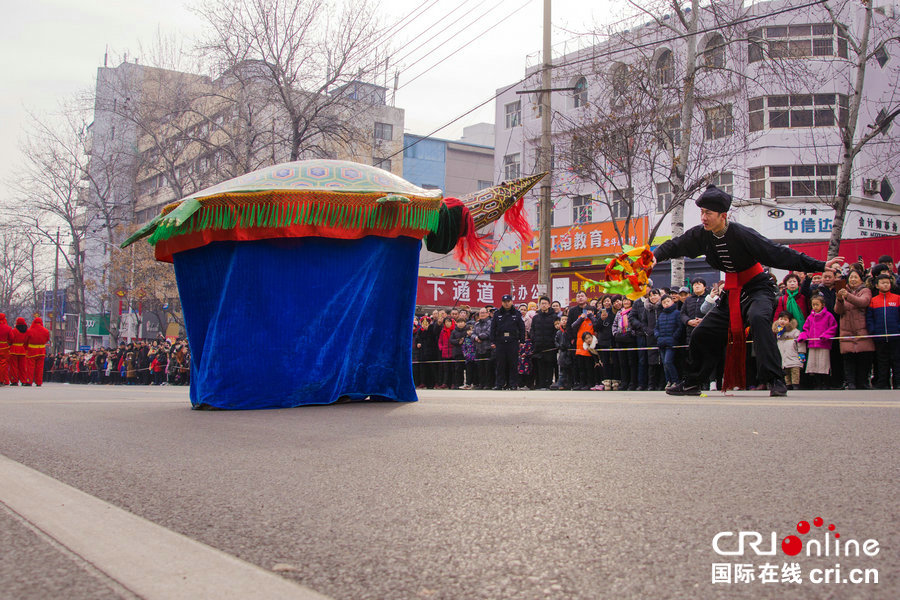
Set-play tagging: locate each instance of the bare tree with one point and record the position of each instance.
(23, 272)
(305, 57)
(50, 193)
(866, 44)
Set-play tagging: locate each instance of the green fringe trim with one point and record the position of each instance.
(270, 216)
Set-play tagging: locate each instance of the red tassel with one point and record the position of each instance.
(517, 220)
(735, 375)
(471, 249)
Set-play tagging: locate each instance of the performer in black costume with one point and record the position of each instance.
(740, 252)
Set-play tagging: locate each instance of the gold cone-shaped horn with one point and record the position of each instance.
(489, 204)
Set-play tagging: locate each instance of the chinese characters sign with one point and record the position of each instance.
(587, 240)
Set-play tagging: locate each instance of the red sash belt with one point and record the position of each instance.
(736, 352)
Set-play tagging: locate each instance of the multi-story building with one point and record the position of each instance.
(167, 134)
(456, 167)
(774, 84)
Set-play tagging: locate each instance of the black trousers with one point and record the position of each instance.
(887, 352)
(856, 368)
(486, 370)
(544, 361)
(710, 338)
(507, 365)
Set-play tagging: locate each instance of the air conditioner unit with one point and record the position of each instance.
(871, 186)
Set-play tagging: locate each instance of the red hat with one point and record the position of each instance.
(37, 321)
(21, 320)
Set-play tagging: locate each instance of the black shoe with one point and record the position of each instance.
(682, 389)
(778, 388)
(640, 388)
(497, 387)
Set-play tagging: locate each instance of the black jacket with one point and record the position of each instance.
(507, 326)
(543, 331)
(456, 339)
(739, 249)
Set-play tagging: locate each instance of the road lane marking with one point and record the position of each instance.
(147, 559)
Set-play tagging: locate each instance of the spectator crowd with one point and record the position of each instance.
(835, 330)
(159, 362)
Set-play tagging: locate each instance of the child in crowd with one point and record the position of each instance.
(624, 337)
(819, 328)
(445, 370)
(584, 363)
(669, 330)
(589, 345)
(469, 354)
(786, 332)
(457, 337)
(883, 319)
(564, 356)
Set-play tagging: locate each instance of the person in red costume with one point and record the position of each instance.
(17, 362)
(4, 350)
(36, 339)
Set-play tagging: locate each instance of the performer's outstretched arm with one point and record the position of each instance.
(783, 257)
(687, 244)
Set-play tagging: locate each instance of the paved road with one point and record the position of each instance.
(469, 495)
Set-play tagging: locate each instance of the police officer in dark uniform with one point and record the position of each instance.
(507, 333)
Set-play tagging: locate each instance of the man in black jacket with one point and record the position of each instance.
(507, 333)
(739, 251)
(543, 334)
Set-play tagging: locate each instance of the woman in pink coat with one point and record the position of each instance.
(850, 306)
(818, 330)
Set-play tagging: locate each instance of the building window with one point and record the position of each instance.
(724, 181)
(665, 68)
(719, 122)
(484, 184)
(537, 215)
(581, 154)
(619, 80)
(582, 210)
(579, 94)
(714, 54)
(382, 163)
(673, 130)
(511, 166)
(513, 114)
(663, 197)
(621, 203)
(796, 41)
(757, 182)
(881, 55)
(384, 131)
(798, 110)
(798, 181)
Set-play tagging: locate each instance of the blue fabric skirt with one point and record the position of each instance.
(288, 322)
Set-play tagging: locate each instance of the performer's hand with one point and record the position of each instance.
(834, 263)
(653, 264)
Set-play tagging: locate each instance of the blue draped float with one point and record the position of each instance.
(281, 323)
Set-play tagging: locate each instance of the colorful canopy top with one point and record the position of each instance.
(326, 198)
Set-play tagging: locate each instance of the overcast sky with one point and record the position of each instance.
(52, 49)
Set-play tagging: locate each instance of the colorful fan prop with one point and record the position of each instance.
(627, 274)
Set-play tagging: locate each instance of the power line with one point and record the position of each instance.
(466, 44)
(390, 30)
(444, 30)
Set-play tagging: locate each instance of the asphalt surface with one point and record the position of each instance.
(467, 495)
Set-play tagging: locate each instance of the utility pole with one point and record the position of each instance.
(546, 150)
(55, 324)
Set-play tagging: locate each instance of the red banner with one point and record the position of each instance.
(449, 291)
